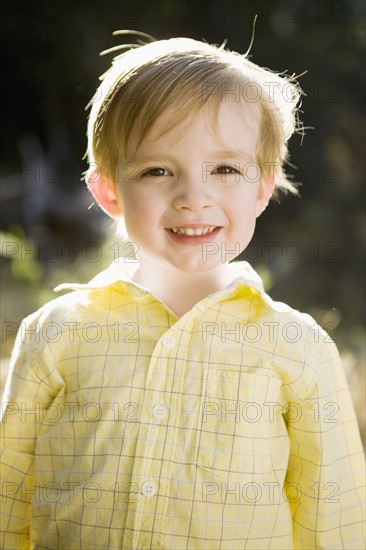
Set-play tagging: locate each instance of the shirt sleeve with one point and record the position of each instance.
(325, 482)
(29, 391)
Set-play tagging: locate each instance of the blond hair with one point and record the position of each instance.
(187, 74)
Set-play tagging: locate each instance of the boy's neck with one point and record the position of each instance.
(179, 290)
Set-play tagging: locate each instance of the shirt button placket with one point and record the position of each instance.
(145, 447)
(159, 412)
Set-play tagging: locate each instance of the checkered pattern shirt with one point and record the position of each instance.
(125, 427)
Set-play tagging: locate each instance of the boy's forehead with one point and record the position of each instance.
(230, 124)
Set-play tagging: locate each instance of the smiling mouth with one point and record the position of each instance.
(193, 232)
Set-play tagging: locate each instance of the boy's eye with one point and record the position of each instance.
(156, 172)
(225, 169)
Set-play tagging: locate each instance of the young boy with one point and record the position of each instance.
(170, 403)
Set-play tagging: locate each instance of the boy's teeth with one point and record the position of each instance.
(190, 232)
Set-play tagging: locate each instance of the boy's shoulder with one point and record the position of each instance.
(288, 335)
(82, 300)
(280, 312)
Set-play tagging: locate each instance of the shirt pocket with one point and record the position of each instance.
(237, 416)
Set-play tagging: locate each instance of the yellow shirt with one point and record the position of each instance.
(229, 428)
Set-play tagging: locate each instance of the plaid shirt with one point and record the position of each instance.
(229, 428)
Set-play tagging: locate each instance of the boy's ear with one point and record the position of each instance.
(104, 192)
(264, 195)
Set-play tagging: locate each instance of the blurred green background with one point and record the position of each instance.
(310, 251)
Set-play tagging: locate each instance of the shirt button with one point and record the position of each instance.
(159, 411)
(148, 489)
(169, 342)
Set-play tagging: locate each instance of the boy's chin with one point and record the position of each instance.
(199, 266)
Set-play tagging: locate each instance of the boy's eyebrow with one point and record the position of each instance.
(220, 154)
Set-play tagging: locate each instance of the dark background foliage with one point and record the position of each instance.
(309, 250)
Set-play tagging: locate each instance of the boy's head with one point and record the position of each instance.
(186, 75)
(187, 141)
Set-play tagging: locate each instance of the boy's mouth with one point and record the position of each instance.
(194, 235)
(193, 231)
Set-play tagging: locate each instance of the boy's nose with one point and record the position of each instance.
(192, 194)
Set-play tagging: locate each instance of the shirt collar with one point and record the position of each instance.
(120, 272)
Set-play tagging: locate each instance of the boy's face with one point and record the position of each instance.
(190, 197)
